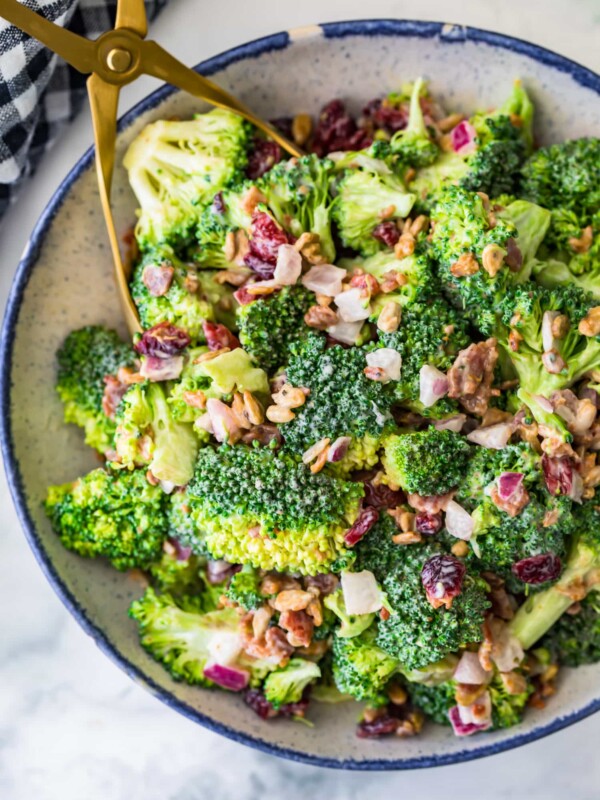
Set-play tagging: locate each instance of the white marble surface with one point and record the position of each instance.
(72, 726)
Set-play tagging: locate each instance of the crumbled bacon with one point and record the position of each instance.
(158, 279)
(512, 505)
(430, 505)
(114, 389)
(299, 627)
(470, 377)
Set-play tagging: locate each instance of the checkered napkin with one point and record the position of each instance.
(39, 93)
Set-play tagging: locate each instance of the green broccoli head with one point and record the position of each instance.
(148, 435)
(414, 274)
(177, 166)
(426, 462)
(542, 610)
(298, 195)
(271, 326)
(342, 400)
(117, 515)
(252, 505)
(366, 194)
(435, 701)
(413, 144)
(85, 359)
(224, 217)
(244, 589)
(187, 298)
(416, 634)
(177, 573)
(567, 176)
(287, 685)
(575, 638)
(528, 310)
(361, 668)
(431, 333)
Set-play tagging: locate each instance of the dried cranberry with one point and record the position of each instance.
(558, 474)
(162, 340)
(366, 519)
(243, 296)
(259, 704)
(260, 268)
(514, 257)
(538, 569)
(218, 571)
(380, 726)
(218, 203)
(428, 524)
(283, 124)
(381, 496)
(219, 336)
(182, 553)
(385, 116)
(337, 130)
(442, 577)
(387, 232)
(266, 237)
(264, 156)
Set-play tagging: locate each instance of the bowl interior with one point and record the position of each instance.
(65, 281)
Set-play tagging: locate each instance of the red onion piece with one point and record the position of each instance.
(463, 138)
(155, 368)
(338, 449)
(451, 423)
(460, 728)
(494, 437)
(433, 385)
(459, 523)
(227, 677)
(469, 670)
(509, 483)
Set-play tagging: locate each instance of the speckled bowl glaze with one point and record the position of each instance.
(64, 281)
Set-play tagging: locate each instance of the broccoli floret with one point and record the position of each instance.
(217, 378)
(192, 298)
(416, 634)
(361, 668)
(365, 195)
(270, 327)
(376, 552)
(532, 223)
(575, 638)
(431, 333)
(287, 685)
(180, 577)
(342, 400)
(118, 515)
(435, 701)
(297, 193)
(351, 624)
(244, 589)
(148, 434)
(85, 358)
(426, 462)
(503, 141)
(418, 281)
(502, 540)
(228, 213)
(251, 505)
(543, 609)
(176, 167)
(413, 144)
(524, 309)
(567, 176)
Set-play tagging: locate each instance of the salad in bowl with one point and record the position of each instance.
(352, 454)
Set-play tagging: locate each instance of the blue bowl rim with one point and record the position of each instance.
(375, 27)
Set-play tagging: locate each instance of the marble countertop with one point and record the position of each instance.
(72, 726)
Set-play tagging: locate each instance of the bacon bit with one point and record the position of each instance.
(375, 374)
(392, 280)
(512, 505)
(299, 627)
(384, 614)
(114, 390)
(470, 377)
(464, 266)
(196, 399)
(368, 284)
(432, 504)
(219, 336)
(158, 279)
(583, 244)
(485, 648)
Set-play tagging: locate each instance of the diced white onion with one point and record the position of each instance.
(459, 523)
(361, 593)
(495, 437)
(478, 713)
(469, 670)
(224, 421)
(433, 385)
(548, 340)
(389, 360)
(289, 265)
(543, 403)
(324, 279)
(507, 652)
(345, 332)
(352, 306)
(224, 647)
(167, 486)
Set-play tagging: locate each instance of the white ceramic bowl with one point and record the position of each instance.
(65, 281)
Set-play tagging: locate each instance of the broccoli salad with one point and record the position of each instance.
(353, 453)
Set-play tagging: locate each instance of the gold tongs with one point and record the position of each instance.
(113, 60)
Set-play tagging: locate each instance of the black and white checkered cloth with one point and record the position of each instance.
(39, 93)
